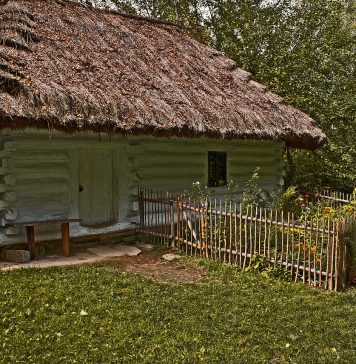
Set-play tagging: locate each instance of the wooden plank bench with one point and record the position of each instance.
(30, 231)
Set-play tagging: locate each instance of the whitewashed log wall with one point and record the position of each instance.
(39, 174)
(174, 164)
(40, 180)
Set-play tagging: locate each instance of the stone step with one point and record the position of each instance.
(129, 250)
(106, 251)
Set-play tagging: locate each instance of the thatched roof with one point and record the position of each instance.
(71, 67)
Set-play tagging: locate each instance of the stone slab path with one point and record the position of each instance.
(90, 255)
(106, 251)
(53, 261)
(129, 250)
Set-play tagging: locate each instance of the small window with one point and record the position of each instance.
(217, 172)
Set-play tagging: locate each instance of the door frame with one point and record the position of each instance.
(91, 151)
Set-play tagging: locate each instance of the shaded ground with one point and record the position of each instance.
(149, 264)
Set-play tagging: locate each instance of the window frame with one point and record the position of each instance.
(218, 154)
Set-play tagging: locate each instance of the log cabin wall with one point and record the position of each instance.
(41, 175)
(173, 164)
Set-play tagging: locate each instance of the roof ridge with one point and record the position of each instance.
(108, 11)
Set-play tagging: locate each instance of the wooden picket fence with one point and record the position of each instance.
(335, 199)
(312, 251)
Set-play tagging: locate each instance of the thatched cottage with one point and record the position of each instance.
(95, 103)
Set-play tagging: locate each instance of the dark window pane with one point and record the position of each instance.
(217, 175)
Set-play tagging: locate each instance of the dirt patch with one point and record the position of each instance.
(150, 264)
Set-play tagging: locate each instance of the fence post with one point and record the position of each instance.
(338, 257)
(201, 224)
(333, 247)
(178, 219)
(351, 251)
(171, 215)
(342, 263)
(141, 211)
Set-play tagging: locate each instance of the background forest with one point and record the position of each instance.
(302, 50)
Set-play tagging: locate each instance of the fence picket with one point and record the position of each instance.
(269, 236)
(189, 226)
(265, 237)
(178, 221)
(298, 258)
(246, 236)
(235, 233)
(154, 204)
(327, 255)
(321, 257)
(287, 242)
(276, 237)
(259, 232)
(230, 233)
(282, 239)
(196, 237)
(149, 207)
(206, 231)
(309, 252)
(337, 256)
(293, 245)
(255, 232)
(240, 235)
(250, 236)
(225, 232)
(199, 229)
(219, 233)
(332, 257)
(304, 246)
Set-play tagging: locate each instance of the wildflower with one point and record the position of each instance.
(307, 196)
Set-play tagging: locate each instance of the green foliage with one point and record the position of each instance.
(232, 190)
(99, 314)
(261, 265)
(252, 194)
(286, 200)
(198, 192)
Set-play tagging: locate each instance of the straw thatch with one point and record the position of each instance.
(71, 67)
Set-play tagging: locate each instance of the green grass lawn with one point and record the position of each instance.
(99, 314)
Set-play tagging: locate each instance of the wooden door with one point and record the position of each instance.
(95, 186)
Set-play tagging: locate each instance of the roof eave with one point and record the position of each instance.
(308, 142)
